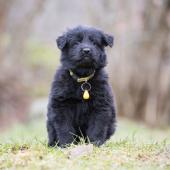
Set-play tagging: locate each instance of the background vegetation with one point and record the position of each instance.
(139, 63)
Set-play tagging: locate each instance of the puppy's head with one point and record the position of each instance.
(84, 47)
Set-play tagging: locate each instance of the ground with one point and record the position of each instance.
(133, 147)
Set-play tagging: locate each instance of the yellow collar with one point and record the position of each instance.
(81, 79)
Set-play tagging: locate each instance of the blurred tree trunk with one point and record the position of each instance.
(4, 9)
(156, 46)
(141, 56)
(14, 98)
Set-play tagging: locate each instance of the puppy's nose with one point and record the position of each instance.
(86, 50)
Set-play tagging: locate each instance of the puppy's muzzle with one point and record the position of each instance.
(86, 50)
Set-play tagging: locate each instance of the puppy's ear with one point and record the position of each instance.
(61, 41)
(108, 40)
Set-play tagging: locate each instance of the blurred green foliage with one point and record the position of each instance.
(42, 60)
(42, 55)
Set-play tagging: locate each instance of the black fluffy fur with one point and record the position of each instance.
(69, 115)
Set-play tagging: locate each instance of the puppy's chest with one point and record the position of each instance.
(82, 112)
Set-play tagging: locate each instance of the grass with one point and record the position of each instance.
(133, 147)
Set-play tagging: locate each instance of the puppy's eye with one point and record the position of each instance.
(96, 44)
(93, 42)
(75, 43)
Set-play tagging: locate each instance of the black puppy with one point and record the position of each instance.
(81, 101)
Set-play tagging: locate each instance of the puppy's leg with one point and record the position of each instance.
(111, 129)
(97, 129)
(58, 134)
(111, 124)
(52, 136)
(65, 133)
